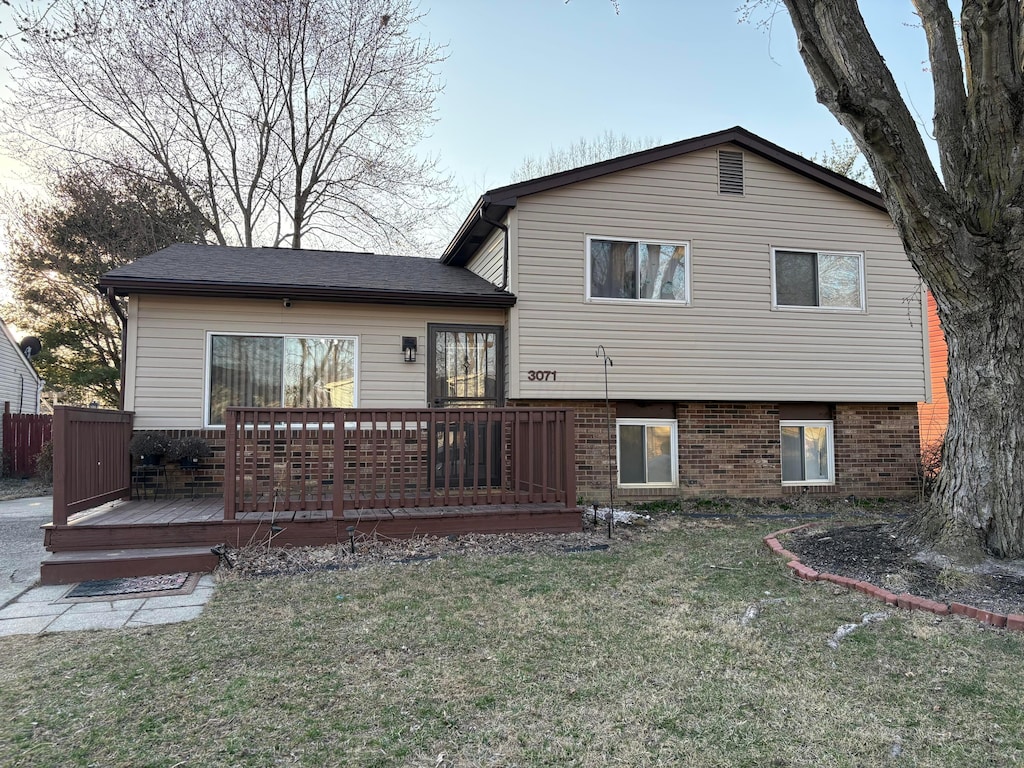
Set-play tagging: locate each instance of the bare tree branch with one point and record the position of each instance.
(268, 116)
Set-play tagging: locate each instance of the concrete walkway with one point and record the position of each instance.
(27, 609)
(43, 609)
(21, 544)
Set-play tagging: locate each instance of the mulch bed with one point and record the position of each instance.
(260, 561)
(882, 555)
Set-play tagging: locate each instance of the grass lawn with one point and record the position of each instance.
(631, 657)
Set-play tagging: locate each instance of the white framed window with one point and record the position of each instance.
(817, 280)
(647, 452)
(638, 270)
(807, 453)
(278, 371)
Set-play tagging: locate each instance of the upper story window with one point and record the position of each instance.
(818, 279)
(638, 270)
(279, 371)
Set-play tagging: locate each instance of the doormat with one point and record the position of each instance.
(133, 586)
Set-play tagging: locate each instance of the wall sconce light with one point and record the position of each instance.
(409, 348)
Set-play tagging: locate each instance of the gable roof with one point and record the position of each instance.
(495, 203)
(278, 273)
(6, 337)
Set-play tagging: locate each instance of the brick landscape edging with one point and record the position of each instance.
(1013, 622)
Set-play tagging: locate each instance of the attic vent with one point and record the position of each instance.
(730, 172)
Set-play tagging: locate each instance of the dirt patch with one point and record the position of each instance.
(883, 555)
(260, 561)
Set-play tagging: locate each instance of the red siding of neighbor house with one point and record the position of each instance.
(935, 415)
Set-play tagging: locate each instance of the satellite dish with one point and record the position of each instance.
(30, 347)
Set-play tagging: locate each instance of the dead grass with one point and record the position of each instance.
(634, 656)
(18, 488)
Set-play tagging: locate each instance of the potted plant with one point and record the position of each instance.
(187, 451)
(148, 447)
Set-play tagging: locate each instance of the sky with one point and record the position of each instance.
(525, 76)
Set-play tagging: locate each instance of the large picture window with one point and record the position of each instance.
(638, 270)
(647, 452)
(818, 279)
(807, 453)
(279, 371)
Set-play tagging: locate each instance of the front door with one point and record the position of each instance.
(465, 365)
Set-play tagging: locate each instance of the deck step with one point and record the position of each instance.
(75, 566)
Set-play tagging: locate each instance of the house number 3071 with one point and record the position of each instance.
(542, 375)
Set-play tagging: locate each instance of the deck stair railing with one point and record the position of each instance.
(91, 464)
(303, 459)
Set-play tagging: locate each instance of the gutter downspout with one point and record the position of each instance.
(112, 301)
(504, 265)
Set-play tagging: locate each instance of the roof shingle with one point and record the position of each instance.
(215, 270)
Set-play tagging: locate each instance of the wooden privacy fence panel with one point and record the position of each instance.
(91, 464)
(299, 459)
(23, 438)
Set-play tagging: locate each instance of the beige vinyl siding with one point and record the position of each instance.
(489, 261)
(19, 384)
(166, 364)
(729, 343)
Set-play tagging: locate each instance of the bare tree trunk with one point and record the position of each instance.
(979, 497)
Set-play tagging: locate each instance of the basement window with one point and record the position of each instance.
(648, 453)
(807, 453)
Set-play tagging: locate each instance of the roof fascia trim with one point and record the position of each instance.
(135, 286)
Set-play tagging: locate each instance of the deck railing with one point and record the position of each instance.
(90, 459)
(355, 459)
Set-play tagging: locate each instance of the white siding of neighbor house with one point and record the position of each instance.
(728, 344)
(489, 261)
(166, 364)
(19, 383)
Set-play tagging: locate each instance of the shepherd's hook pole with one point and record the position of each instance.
(602, 352)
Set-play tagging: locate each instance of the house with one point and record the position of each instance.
(20, 385)
(766, 330)
(22, 431)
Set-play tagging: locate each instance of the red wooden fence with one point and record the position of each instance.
(23, 438)
(329, 459)
(91, 464)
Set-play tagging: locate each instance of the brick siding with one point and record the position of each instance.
(725, 449)
(171, 480)
(734, 449)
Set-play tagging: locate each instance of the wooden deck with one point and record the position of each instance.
(128, 538)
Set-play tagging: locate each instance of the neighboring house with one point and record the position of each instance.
(20, 385)
(934, 414)
(766, 328)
